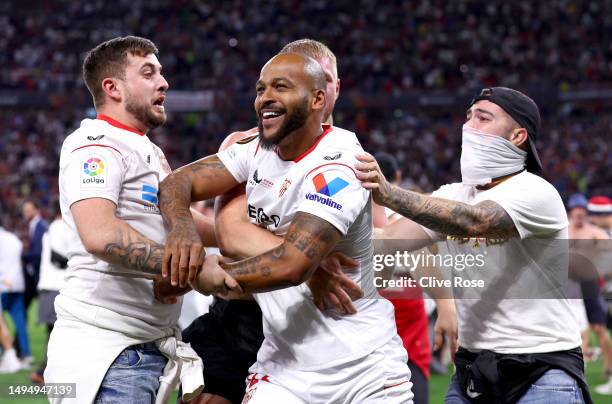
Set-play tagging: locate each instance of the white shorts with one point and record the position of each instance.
(381, 377)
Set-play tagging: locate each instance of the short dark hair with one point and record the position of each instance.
(34, 202)
(388, 165)
(109, 59)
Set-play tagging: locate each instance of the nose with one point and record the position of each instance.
(163, 84)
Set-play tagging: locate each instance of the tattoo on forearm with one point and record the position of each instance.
(485, 219)
(309, 234)
(138, 255)
(175, 190)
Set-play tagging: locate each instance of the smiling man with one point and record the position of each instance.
(307, 192)
(112, 338)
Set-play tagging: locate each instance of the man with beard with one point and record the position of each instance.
(512, 347)
(228, 337)
(299, 184)
(112, 338)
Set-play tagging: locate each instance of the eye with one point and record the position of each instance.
(259, 89)
(148, 74)
(281, 85)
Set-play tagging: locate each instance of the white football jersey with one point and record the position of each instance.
(320, 182)
(105, 159)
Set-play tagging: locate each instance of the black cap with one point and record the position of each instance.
(524, 111)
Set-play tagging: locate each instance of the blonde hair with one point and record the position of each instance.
(313, 49)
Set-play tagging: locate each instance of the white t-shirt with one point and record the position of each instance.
(56, 239)
(10, 262)
(103, 159)
(522, 308)
(320, 182)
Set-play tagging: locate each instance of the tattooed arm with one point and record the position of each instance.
(485, 219)
(308, 240)
(113, 240)
(202, 179)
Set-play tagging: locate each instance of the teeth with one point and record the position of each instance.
(271, 114)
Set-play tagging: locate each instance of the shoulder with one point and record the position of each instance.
(242, 137)
(448, 191)
(94, 134)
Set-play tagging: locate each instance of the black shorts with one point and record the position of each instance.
(227, 339)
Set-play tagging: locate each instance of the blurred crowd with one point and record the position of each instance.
(575, 148)
(392, 46)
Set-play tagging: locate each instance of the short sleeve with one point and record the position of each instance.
(533, 204)
(92, 172)
(334, 194)
(236, 157)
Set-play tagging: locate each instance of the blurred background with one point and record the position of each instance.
(408, 70)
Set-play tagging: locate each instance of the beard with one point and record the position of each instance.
(144, 113)
(293, 121)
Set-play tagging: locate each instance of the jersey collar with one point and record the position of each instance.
(118, 124)
(326, 129)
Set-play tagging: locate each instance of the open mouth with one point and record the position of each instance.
(270, 117)
(159, 102)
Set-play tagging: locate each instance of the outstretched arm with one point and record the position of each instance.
(485, 219)
(203, 179)
(308, 240)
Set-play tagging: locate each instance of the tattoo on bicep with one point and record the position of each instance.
(311, 235)
(141, 256)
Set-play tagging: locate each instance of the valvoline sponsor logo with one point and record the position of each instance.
(323, 200)
(326, 189)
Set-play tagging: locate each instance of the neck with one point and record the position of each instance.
(496, 181)
(300, 140)
(122, 116)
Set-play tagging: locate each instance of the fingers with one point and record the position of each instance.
(196, 259)
(438, 337)
(345, 300)
(453, 346)
(365, 158)
(346, 261)
(331, 263)
(166, 261)
(352, 288)
(174, 265)
(335, 302)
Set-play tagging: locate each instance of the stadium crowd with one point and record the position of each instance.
(395, 47)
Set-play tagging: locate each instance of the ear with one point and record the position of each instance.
(519, 137)
(318, 99)
(112, 89)
(337, 88)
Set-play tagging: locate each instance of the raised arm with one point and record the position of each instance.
(308, 240)
(485, 219)
(202, 179)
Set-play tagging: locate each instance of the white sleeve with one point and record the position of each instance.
(333, 193)
(92, 172)
(535, 207)
(236, 158)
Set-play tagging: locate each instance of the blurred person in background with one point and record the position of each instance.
(12, 286)
(585, 239)
(54, 261)
(410, 316)
(37, 226)
(9, 362)
(600, 212)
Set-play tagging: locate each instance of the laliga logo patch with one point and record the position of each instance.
(94, 171)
